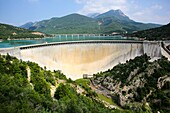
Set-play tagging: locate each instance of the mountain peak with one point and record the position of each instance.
(116, 14)
(73, 15)
(112, 10)
(118, 10)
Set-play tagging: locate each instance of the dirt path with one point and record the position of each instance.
(28, 74)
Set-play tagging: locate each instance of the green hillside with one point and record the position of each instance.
(25, 87)
(12, 32)
(161, 33)
(70, 24)
(139, 85)
(107, 23)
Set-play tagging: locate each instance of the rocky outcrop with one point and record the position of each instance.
(162, 81)
(141, 82)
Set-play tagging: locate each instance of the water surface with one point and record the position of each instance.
(15, 43)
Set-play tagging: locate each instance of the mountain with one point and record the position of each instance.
(107, 23)
(12, 32)
(116, 20)
(69, 24)
(27, 25)
(160, 33)
(114, 14)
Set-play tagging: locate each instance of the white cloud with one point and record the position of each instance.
(148, 14)
(92, 6)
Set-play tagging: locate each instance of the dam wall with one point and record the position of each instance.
(164, 50)
(77, 59)
(152, 49)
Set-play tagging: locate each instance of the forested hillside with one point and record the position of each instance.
(137, 86)
(11, 32)
(70, 24)
(27, 88)
(160, 33)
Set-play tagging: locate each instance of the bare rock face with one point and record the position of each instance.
(122, 100)
(162, 81)
(127, 90)
(132, 74)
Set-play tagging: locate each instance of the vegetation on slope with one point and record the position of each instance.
(107, 23)
(139, 85)
(70, 24)
(25, 87)
(161, 33)
(11, 32)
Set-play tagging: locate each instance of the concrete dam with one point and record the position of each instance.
(84, 57)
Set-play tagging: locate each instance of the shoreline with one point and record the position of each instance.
(25, 38)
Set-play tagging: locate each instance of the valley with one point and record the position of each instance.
(84, 56)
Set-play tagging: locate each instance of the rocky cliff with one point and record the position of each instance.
(139, 84)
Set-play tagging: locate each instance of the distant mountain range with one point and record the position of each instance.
(113, 21)
(12, 32)
(27, 25)
(160, 33)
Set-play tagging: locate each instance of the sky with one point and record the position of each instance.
(19, 12)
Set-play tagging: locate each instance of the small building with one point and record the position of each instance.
(86, 76)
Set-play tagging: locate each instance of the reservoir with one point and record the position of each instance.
(15, 43)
